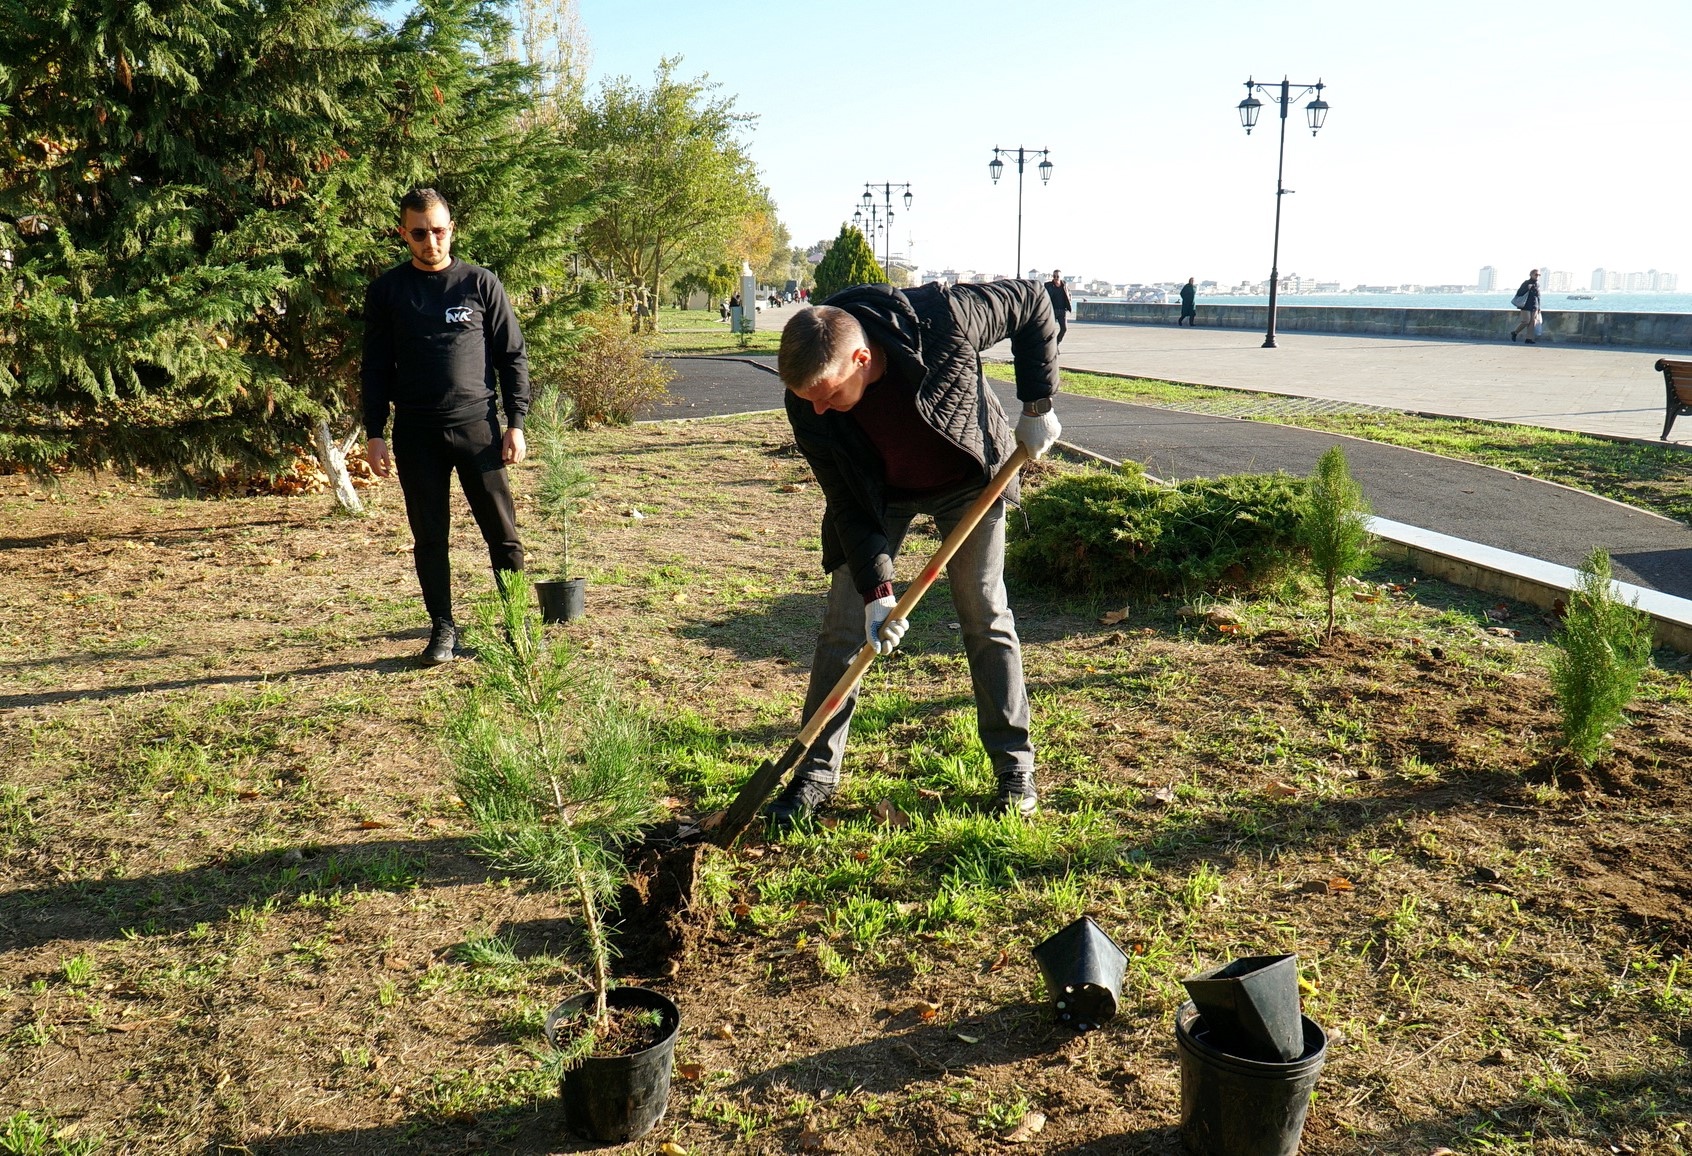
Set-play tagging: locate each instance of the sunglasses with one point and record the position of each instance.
(421, 235)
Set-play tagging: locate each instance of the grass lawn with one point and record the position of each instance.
(240, 910)
(702, 331)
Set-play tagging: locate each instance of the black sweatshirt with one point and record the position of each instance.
(433, 344)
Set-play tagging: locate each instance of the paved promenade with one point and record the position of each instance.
(1603, 391)
(1473, 503)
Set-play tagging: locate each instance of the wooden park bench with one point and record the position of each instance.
(1677, 379)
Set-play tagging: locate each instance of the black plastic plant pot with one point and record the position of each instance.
(562, 601)
(1232, 1106)
(1083, 969)
(617, 1098)
(1252, 1007)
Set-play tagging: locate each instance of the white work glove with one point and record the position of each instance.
(880, 631)
(1038, 432)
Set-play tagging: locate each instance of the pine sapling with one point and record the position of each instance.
(1334, 527)
(555, 771)
(1602, 650)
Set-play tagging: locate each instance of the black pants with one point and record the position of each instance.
(426, 458)
(1063, 325)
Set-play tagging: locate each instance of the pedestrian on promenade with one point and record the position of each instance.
(437, 333)
(1527, 300)
(1060, 303)
(1189, 312)
(885, 397)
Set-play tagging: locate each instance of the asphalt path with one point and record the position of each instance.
(1475, 503)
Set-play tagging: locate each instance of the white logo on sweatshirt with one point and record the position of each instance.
(458, 314)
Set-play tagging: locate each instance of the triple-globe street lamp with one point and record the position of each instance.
(1315, 112)
(996, 169)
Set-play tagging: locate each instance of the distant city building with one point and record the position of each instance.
(1668, 282)
(1598, 277)
(1488, 279)
(1636, 283)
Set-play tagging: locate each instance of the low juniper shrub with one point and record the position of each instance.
(1105, 532)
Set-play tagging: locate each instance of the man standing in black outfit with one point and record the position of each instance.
(1189, 311)
(437, 334)
(1060, 303)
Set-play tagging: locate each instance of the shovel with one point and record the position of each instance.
(725, 827)
(655, 908)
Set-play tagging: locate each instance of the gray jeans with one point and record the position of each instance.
(976, 575)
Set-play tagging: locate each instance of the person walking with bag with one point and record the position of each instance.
(1527, 300)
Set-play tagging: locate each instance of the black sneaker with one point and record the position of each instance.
(796, 803)
(1017, 795)
(443, 643)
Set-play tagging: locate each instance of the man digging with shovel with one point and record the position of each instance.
(889, 405)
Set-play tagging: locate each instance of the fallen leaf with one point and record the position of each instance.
(1000, 963)
(636, 515)
(1030, 1127)
(679, 599)
(1112, 617)
(1499, 613)
(247, 795)
(723, 1032)
(1280, 790)
(929, 793)
(671, 1148)
(860, 856)
(395, 963)
(751, 852)
(436, 823)
(1164, 794)
(742, 910)
(925, 1010)
(969, 1039)
(829, 823)
(1361, 596)
(790, 488)
(1503, 631)
(1228, 627)
(810, 1140)
(908, 907)
(1340, 883)
(891, 815)
(690, 1071)
(1486, 875)
(371, 825)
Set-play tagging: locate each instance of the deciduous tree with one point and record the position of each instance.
(685, 182)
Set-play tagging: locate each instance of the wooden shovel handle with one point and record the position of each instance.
(752, 795)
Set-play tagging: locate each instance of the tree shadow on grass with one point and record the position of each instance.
(175, 901)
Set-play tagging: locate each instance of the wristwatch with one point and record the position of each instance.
(1040, 405)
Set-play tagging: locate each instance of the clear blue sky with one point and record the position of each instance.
(1461, 134)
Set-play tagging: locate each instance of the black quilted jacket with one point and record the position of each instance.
(935, 335)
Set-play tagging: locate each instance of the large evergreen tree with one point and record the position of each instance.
(195, 193)
(849, 261)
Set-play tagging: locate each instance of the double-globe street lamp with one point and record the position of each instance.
(1315, 112)
(886, 189)
(872, 225)
(996, 169)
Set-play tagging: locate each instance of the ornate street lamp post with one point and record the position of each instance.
(1316, 112)
(996, 168)
(886, 189)
(871, 224)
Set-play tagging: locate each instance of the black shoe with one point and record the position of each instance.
(443, 643)
(1017, 795)
(1527, 341)
(1512, 335)
(794, 806)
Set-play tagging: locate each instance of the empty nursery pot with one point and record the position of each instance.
(1232, 1106)
(615, 1098)
(1083, 969)
(562, 601)
(1251, 1007)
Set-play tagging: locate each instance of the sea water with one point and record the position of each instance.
(1548, 301)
